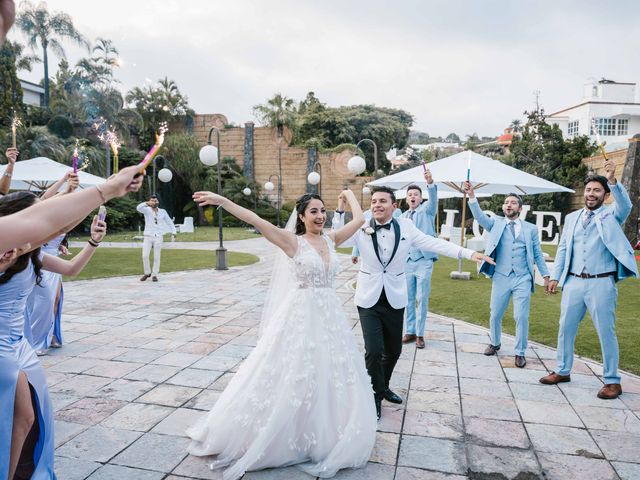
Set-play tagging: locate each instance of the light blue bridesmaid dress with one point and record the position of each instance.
(17, 355)
(41, 320)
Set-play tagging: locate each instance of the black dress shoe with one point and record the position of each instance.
(520, 361)
(144, 277)
(389, 396)
(491, 350)
(378, 402)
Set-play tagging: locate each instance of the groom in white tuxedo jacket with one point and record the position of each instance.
(381, 292)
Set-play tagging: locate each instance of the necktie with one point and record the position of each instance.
(386, 225)
(586, 219)
(411, 213)
(512, 227)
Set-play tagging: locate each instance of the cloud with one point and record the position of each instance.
(463, 66)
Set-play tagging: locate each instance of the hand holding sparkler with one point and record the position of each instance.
(610, 172)
(12, 155)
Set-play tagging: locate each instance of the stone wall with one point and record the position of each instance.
(271, 153)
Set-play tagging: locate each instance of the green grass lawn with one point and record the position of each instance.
(469, 301)
(201, 234)
(115, 262)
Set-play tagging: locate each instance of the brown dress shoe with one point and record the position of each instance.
(491, 350)
(610, 391)
(553, 378)
(420, 342)
(408, 337)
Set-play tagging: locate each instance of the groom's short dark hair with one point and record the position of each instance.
(384, 190)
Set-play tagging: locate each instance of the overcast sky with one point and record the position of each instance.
(464, 66)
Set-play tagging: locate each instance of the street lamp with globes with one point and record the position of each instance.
(359, 161)
(315, 176)
(210, 156)
(269, 187)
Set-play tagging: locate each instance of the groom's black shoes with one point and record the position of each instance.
(378, 401)
(389, 396)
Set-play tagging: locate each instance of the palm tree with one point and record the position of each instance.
(45, 30)
(105, 53)
(23, 62)
(277, 112)
(516, 126)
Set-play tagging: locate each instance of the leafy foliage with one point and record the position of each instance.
(542, 151)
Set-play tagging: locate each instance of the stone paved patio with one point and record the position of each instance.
(142, 361)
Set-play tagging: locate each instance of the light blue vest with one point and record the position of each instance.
(511, 254)
(589, 252)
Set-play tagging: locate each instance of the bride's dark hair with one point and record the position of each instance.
(12, 203)
(301, 206)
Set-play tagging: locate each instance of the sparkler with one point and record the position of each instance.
(75, 158)
(594, 127)
(154, 150)
(15, 123)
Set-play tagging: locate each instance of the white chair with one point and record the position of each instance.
(187, 226)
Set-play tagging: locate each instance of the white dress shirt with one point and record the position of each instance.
(156, 222)
(386, 241)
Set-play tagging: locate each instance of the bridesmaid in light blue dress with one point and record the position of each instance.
(27, 435)
(44, 306)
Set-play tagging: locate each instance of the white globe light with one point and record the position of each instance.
(269, 186)
(356, 165)
(313, 178)
(165, 175)
(366, 190)
(247, 191)
(209, 155)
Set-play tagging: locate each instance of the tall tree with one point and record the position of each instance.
(46, 30)
(516, 126)
(10, 89)
(277, 112)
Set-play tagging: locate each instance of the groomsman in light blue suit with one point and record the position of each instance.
(515, 246)
(592, 256)
(420, 262)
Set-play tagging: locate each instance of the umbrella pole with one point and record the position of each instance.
(460, 275)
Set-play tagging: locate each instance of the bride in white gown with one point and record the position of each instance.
(303, 397)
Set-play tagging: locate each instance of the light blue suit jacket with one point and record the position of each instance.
(496, 226)
(607, 220)
(424, 219)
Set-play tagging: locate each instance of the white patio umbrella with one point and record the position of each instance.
(40, 173)
(486, 174)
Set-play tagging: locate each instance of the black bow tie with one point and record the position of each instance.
(386, 225)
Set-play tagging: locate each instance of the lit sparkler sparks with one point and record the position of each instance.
(15, 123)
(594, 127)
(162, 129)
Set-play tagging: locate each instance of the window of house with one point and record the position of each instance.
(623, 126)
(572, 128)
(606, 127)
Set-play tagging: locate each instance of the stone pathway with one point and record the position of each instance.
(143, 361)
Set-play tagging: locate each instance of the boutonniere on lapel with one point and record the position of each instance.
(368, 230)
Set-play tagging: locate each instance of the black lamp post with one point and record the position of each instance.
(210, 156)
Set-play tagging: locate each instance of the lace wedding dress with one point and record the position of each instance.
(303, 397)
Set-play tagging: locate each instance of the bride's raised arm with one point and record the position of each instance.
(281, 238)
(342, 234)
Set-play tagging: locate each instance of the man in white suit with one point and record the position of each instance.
(381, 293)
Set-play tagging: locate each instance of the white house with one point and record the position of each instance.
(614, 107)
(32, 93)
